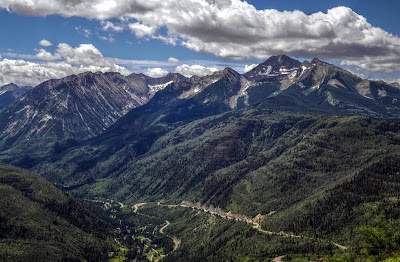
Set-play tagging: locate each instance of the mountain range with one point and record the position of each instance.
(58, 114)
(281, 140)
(63, 112)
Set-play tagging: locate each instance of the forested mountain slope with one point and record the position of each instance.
(39, 222)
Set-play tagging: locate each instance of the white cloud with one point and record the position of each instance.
(248, 68)
(73, 60)
(45, 42)
(173, 60)
(19, 56)
(107, 25)
(47, 56)
(235, 29)
(23, 72)
(376, 64)
(156, 72)
(107, 38)
(85, 54)
(84, 31)
(169, 40)
(89, 58)
(142, 30)
(190, 70)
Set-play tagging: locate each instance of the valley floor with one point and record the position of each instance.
(148, 233)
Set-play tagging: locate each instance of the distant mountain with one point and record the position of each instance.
(313, 87)
(282, 83)
(59, 114)
(62, 112)
(10, 92)
(149, 85)
(39, 222)
(276, 67)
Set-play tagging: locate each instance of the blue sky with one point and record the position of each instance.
(241, 35)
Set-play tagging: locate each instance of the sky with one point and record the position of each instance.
(43, 39)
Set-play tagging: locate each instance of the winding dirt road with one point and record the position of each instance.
(136, 207)
(162, 229)
(278, 259)
(255, 224)
(177, 242)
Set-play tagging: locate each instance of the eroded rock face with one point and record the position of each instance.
(77, 107)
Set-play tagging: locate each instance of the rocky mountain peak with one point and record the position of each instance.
(316, 61)
(175, 77)
(138, 76)
(306, 64)
(229, 71)
(275, 67)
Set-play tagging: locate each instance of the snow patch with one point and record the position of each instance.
(155, 88)
(266, 72)
(293, 75)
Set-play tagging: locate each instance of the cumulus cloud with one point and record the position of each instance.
(85, 54)
(89, 58)
(22, 72)
(248, 68)
(169, 40)
(47, 56)
(190, 70)
(73, 60)
(173, 60)
(142, 30)
(45, 42)
(107, 25)
(376, 64)
(156, 72)
(235, 29)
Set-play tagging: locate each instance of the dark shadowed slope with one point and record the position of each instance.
(39, 222)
